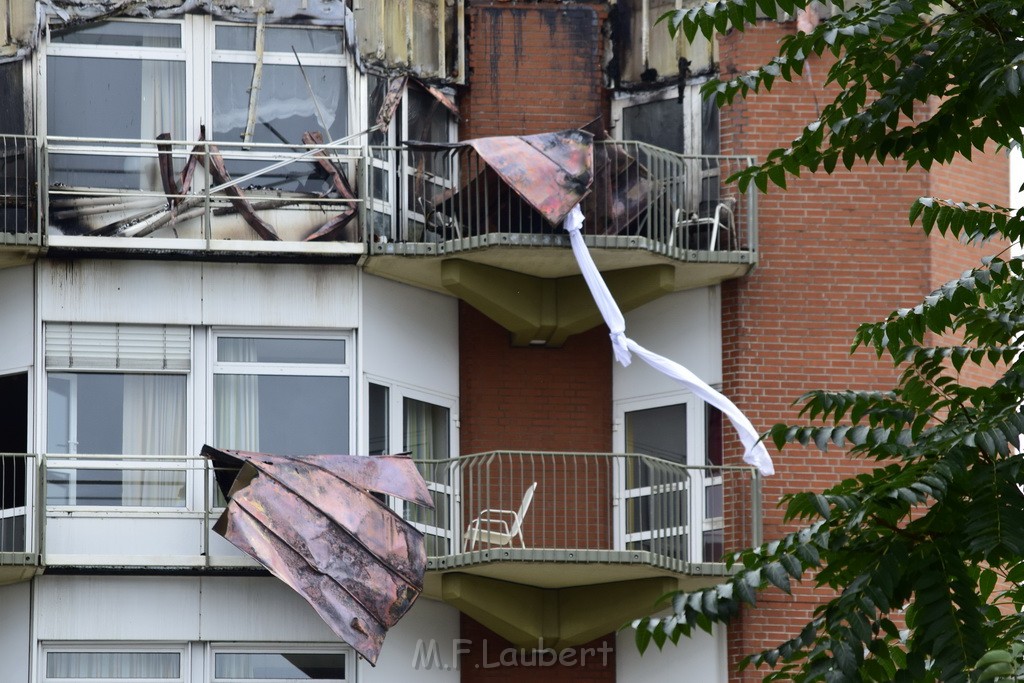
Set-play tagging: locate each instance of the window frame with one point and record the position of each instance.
(215, 648)
(696, 454)
(46, 648)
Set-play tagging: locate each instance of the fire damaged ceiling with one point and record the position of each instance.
(314, 522)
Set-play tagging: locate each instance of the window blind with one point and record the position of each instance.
(116, 346)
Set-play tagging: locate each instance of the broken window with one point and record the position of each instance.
(418, 175)
(284, 666)
(302, 87)
(423, 34)
(645, 51)
(136, 91)
(687, 126)
(146, 88)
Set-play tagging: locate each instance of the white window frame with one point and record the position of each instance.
(108, 647)
(397, 392)
(213, 649)
(74, 461)
(695, 454)
(398, 181)
(216, 367)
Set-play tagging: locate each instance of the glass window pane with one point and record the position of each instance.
(657, 123)
(281, 414)
(714, 545)
(426, 430)
(113, 665)
(712, 436)
(116, 488)
(286, 666)
(377, 414)
(273, 350)
(285, 108)
(114, 98)
(281, 39)
(659, 432)
(713, 501)
(116, 414)
(122, 33)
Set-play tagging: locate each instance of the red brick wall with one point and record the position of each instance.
(533, 67)
(593, 662)
(835, 251)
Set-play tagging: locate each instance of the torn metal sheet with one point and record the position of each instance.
(314, 523)
(552, 172)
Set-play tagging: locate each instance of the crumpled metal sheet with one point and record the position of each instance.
(313, 522)
(552, 172)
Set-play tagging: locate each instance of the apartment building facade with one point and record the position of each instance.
(329, 227)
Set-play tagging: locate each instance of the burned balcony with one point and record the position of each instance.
(582, 531)
(19, 530)
(482, 218)
(200, 196)
(20, 226)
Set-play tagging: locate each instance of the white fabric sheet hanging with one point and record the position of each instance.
(624, 347)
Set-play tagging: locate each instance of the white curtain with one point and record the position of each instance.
(163, 111)
(236, 398)
(153, 424)
(113, 665)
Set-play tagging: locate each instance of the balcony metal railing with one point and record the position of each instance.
(387, 200)
(204, 191)
(20, 218)
(19, 524)
(588, 507)
(642, 197)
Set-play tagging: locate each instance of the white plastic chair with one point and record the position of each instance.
(499, 527)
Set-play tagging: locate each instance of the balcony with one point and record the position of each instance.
(20, 218)
(439, 218)
(604, 536)
(19, 529)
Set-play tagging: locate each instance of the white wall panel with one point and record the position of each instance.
(283, 295)
(247, 294)
(15, 602)
(16, 321)
(117, 608)
(255, 609)
(410, 336)
(685, 327)
(120, 291)
(399, 659)
(700, 659)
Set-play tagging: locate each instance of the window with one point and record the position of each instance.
(116, 390)
(418, 175)
(424, 431)
(279, 394)
(135, 80)
(120, 667)
(673, 500)
(688, 126)
(233, 667)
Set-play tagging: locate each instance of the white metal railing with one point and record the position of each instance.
(600, 502)
(19, 524)
(20, 217)
(422, 201)
(585, 507)
(203, 190)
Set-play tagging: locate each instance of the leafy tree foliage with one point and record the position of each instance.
(926, 552)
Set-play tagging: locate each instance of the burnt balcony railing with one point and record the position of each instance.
(202, 195)
(19, 527)
(642, 197)
(337, 198)
(20, 221)
(587, 507)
